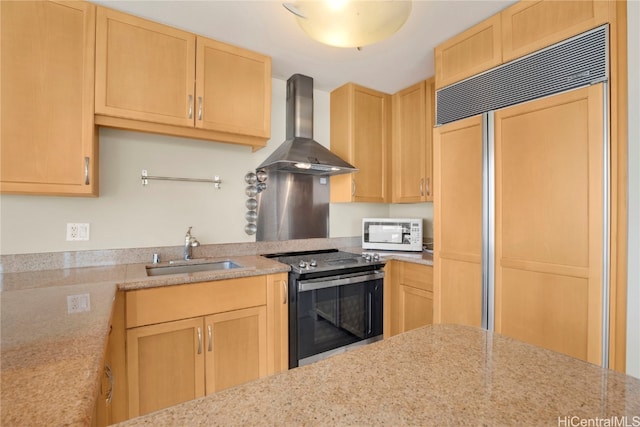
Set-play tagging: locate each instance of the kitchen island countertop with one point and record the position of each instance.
(436, 375)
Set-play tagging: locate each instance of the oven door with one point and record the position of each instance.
(336, 313)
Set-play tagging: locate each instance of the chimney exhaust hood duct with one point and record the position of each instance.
(299, 153)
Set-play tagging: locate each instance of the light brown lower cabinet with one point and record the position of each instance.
(416, 308)
(102, 414)
(165, 365)
(111, 402)
(173, 362)
(236, 348)
(408, 297)
(187, 341)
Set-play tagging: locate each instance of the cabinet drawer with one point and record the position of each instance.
(416, 275)
(157, 305)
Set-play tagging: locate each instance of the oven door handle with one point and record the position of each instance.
(311, 285)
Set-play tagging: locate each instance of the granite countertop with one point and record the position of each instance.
(436, 375)
(51, 364)
(424, 257)
(250, 265)
(51, 361)
(49, 356)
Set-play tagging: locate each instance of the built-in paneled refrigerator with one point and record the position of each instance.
(521, 210)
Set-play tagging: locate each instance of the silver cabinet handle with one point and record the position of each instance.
(428, 190)
(199, 108)
(421, 186)
(284, 292)
(86, 171)
(353, 187)
(210, 337)
(199, 341)
(109, 373)
(191, 106)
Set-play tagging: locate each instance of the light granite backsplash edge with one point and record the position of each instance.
(109, 257)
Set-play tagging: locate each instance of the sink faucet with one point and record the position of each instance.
(189, 242)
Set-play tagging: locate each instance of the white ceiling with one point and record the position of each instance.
(267, 27)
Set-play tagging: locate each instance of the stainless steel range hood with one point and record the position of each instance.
(299, 153)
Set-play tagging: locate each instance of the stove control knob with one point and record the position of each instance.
(376, 257)
(302, 264)
(313, 263)
(367, 257)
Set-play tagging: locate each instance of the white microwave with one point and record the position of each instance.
(394, 234)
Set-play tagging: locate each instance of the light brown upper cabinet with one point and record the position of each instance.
(361, 135)
(145, 71)
(470, 52)
(528, 26)
(155, 78)
(48, 141)
(413, 119)
(521, 29)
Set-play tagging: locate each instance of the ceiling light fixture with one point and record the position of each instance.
(345, 23)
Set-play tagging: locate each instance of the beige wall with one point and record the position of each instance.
(128, 215)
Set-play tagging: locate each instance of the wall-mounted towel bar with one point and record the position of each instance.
(216, 181)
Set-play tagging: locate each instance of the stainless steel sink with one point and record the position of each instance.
(162, 270)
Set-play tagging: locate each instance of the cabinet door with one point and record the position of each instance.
(372, 139)
(430, 87)
(408, 296)
(528, 26)
(412, 152)
(470, 52)
(549, 192)
(236, 347)
(409, 144)
(165, 365)
(277, 323)
(416, 308)
(102, 415)
(361, 134)
(458, 222)
(144, 70)
(233, 89)
(48, 141)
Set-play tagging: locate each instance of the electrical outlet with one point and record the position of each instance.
(77, 231)
(78, 303)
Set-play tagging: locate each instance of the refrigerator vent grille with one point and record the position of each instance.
(579, 61)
